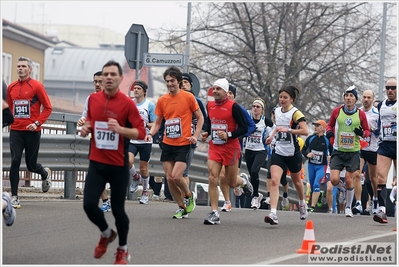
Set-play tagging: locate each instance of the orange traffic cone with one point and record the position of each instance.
(308, 240)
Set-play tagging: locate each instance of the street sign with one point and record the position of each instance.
(136, 43)
(210, 97)
(161, 60)
(196, 85)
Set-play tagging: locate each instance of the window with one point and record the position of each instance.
(7, 67)
(35, 71)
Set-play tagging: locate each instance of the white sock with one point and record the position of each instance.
(274, 211)
(301, 202)
(123, 247)
(145, 182)
(107, 233)
(132, 170)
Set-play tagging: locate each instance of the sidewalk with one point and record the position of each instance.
(37, 193)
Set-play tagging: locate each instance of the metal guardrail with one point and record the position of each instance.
(67, 152)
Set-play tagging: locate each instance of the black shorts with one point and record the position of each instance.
(143, 149)
(294, 163)
(369, 156)
(387, 149)
(349, 160)
(174, 153)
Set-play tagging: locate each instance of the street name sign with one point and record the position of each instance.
(161, 60)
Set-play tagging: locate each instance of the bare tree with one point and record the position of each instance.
(323, 48)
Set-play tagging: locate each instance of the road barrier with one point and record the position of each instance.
(65, 152)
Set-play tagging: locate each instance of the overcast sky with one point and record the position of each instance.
(115, 15)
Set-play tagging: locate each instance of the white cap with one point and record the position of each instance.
(223, 83)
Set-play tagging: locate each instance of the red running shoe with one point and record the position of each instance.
(121, 256)
(102, 246)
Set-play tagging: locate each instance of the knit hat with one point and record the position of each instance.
(233, 89)
(351, 89)
(222, 83)
(187, 77)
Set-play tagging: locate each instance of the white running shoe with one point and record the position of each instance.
(285, 203)
(226, 207)
(348, 212)
(303, 211)
(46, 183)
(9, 213)
(256, 202)
(271, 218)
(134, 186)
(144, 198)
(267, 201)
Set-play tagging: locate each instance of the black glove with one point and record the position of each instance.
(358, 131)
(329, 134)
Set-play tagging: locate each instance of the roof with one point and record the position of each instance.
(78, 63)
(15, 32)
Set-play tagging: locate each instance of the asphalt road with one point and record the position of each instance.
(57, 232)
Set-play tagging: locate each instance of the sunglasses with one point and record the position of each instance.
(256, 106)
(390, 87)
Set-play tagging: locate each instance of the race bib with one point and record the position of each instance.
(317, 157)
(173, 128)
(22, 108)
(389, 132)
(347, 140)
(254, 141)
(105, 138)
(214, 129)
(283, 137)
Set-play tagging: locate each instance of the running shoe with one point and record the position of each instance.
(190, 203)
(357, 209)
(238, 191)
(303, 211)
(348, 212)
(155, 197)
(311, 209)
(122, 257)
(213, 218)
(226, 207)
(46, 182)
(285, 203)
(267, 201)
(144, 198)
(102, 246)
(9, 213)
(180, 213)
(271, 218)
(134, 186)
(369, 208)
(330, 211)
(247, 188)
(380, 217)
(15, 202)
(256, 202)
(106, 206)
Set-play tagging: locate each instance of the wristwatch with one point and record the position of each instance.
(229, 135)
(289, 130)
(37, 123)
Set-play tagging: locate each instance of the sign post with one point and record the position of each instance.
(136, 43)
